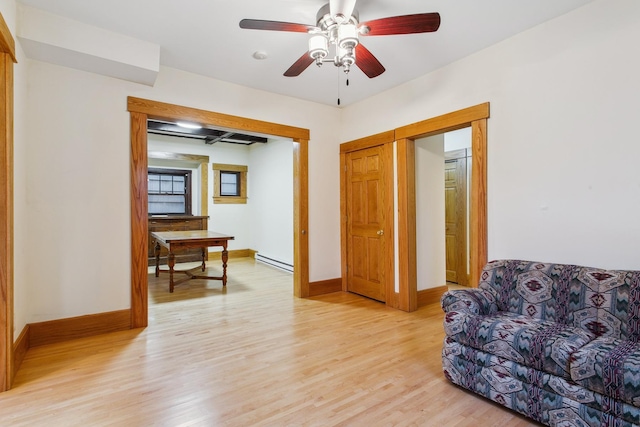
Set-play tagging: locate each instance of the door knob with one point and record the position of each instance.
(380, 232)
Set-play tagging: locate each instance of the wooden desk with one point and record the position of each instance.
(176, 240)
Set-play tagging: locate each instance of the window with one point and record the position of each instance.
(229, 183)
(169, 191)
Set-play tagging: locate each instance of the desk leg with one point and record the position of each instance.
(225, 257)
(204, 255)
(171, 262)
(157, 254)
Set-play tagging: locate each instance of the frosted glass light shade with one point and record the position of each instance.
(347, 36)
(318, 47)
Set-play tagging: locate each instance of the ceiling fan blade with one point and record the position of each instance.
(299, 66)
(342, 7)
(405, 24)
(259, 24)
(368, 63)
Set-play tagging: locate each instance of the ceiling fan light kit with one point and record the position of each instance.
(338, 28)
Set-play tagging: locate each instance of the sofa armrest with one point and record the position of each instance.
(472, 301)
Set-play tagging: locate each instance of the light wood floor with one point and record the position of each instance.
(252, 355)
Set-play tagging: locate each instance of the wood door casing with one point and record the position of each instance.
(142, 109)
(365, 223)
(456, 217)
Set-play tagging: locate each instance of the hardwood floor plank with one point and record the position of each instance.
(251, 355)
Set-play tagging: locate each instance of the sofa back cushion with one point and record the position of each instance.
(616, 296)
(604, 302)
(538, 290)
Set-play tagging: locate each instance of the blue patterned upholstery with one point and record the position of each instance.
(558, 343)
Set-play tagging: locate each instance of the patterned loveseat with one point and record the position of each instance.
(557, 343)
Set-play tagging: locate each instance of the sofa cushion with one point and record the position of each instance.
(609, 366)
(540, 344)
(616, 297)
(538, 290)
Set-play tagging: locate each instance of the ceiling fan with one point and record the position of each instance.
(338, 28)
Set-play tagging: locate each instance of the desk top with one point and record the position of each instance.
(189, 236)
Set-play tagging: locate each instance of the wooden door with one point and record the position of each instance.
(455, 178)
(365, 180)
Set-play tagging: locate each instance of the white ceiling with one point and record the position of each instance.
(203, 37)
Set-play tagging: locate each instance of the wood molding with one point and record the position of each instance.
(59, 330)
(161, 110)
(7, 59)
(139, 221)
(478, 216)
(141, 110)
(325, 287)
(444, 123)
(7, 43)
(204, 188)
(343, 220)
(368, 142)
(218, 168)
(407, 268)
(20, 347)
(430, 296)
(167, 155)
(236, 253)
(301, 218)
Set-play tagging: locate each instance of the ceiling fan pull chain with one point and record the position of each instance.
(338, 88)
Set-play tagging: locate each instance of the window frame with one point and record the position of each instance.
(241, 171)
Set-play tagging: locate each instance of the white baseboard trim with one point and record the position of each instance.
(275, 263)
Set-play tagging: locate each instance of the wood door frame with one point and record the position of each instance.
(384, 139)
(7, 59)
(140, 111)
(476, 118)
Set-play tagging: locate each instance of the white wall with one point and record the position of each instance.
(563, 181)
(430, 212)
(457, 139)
(271, 199)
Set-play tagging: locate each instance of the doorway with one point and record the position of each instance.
(476, 118)
(140, 111)
(400, 259)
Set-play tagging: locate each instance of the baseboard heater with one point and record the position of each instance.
(275, 263)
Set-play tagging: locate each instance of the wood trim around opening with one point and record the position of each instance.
(476, 118)
(141, 110)
(7, 59)
(408, 298)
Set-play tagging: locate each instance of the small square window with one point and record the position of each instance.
(229, 183)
